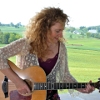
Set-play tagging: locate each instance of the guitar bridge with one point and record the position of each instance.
(5, 87)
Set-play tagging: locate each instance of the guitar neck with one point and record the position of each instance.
(55, 86)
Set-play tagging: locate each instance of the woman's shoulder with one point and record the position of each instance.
(63, 48)
(25, 42)
(62, 44)
(21, 41)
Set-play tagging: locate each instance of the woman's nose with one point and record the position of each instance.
(60, 35)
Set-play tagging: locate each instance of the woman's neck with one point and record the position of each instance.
(52, 45)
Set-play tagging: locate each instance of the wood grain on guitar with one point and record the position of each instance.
(36, 79)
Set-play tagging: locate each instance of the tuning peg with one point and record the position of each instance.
(99, 79)
(99, 83)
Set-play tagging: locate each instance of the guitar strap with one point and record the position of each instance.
(5, 86)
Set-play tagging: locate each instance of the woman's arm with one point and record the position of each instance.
(10, 50)
(19, 83)
(69, 78)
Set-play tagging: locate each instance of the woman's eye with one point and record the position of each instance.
(57, 31)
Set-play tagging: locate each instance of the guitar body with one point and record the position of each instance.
(33, 74)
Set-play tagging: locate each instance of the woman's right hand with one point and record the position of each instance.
(22, 87)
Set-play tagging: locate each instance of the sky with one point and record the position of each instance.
(81, 12)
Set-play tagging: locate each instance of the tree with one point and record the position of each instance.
(88, 34)
(1, 35)
(71, 29)
(11, 24)
(82, 27)
(0, 24)
(5, 38)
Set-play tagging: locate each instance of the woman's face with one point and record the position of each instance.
(56, 32)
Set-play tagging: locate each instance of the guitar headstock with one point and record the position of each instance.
(97, 84)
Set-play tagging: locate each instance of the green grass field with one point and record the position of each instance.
(2, 45)
(83, 57)
(84, 64)
(12, 29)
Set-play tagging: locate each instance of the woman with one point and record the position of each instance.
(43, 45)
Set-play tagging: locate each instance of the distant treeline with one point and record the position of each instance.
(91, 31)
(17, 25)
(11, 34)
(6, 38)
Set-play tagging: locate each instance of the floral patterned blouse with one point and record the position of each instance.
(20, 48)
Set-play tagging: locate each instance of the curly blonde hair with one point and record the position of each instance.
(39, 26)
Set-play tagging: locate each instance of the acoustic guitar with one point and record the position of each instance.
(35, 77)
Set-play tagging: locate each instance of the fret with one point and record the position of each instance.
(61, 85)
(75, 85)
(82, 85)
(38, 86)
(56, 85)
(34, 86)
(52, 85)
(70, 85)
(67, 85)
(64, 85)
(42, 86)
(45, 86)
(49, 86)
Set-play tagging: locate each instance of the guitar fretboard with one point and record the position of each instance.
(55, 86)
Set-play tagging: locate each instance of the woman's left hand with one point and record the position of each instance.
(88, 88)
